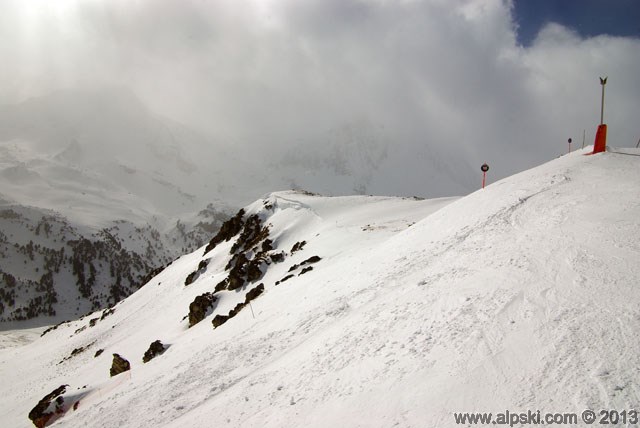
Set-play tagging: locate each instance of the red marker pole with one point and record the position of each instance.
(484, 168)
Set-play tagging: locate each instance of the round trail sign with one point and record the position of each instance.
(484, 167)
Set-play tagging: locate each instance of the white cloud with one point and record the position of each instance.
(277, 72)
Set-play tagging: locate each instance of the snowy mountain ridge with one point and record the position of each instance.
(414, 309)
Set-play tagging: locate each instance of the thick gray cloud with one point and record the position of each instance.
(278, 73)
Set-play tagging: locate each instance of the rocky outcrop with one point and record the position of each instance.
(119, 365)
(199, 307)
(41, 414)
(250, 255)
(202, 268)
(298, 246)
(284, 279)
(156, 348)
(305, 270)
(228, 230)
(254, 293)
(312, 259)
(218, 320)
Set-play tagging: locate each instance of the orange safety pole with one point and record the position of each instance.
(600, 144)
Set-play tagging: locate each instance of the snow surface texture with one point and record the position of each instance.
(519, 296)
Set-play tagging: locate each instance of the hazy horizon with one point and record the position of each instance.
(428, 90)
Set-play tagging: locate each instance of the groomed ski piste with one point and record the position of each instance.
(522, 296)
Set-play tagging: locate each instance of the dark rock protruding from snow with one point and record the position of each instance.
(41, 414)
(202, 268)
(305, 270)
(156, 348)
(119, 365)
(199, 307)
(277, 257)
(252, 234)
(284, 279)
(298, 246)
(218, 320)
(313, 259)
(228, 230)
(254, 293)
(249, 255)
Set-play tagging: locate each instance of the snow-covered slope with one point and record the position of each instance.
(520, 296)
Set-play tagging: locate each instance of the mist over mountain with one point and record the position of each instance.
(98, 191)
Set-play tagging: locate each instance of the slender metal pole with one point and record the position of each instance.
(584, 134)
(603, 81)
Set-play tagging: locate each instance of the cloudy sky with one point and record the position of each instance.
(500, 82)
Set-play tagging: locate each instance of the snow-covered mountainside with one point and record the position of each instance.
(98, 164)
(96, 192)
(53, 269)
(367, 311)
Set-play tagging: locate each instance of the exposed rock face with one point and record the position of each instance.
(277, 257)
(305, 270)
(156, 348)
(199, 307)
(284, 279)
(228, 230)
(218, 320)
(298, 246)
(253, 293)
(202, 268)
(40, 414)
(313, 259)
(235, 311)
(119, 365)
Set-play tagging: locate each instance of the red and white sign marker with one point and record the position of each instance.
(484, 168)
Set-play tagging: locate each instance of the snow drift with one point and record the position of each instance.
(520, 296)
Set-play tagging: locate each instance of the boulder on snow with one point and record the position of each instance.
(156, 348)
(235, 311)
(298, 246)
(218, 320)
(254, 269)
(305, 270)
(41, 414)
(119, 365)
(277, 257)
(253, 293)
(199, 307)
